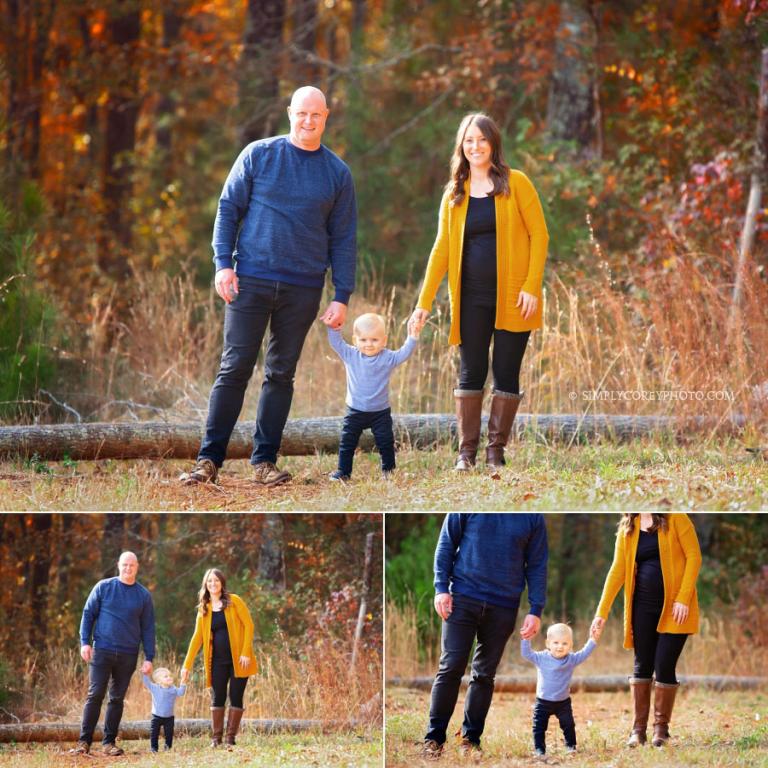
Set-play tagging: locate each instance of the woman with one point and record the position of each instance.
(657, 560)
(224, 629)
(492, 241)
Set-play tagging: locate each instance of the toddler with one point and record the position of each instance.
(554, 669)
(369, 367)
(164, 696)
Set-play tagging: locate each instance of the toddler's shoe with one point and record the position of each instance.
(339, 476)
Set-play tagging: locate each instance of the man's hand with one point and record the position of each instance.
(531, 627)
(226, 284)
(335, 315)
(146, 668)
(86, 652)
(444, 605)
(184, 675)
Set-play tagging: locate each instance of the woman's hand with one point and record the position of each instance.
(529, 304)
(245, 661)
(679, 613)
(184, 675)
(417, 321)
(597, 628)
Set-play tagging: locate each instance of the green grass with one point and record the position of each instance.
(647, 474)
(708, 729)
(343, 750)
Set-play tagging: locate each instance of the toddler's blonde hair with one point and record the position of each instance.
(157, 672)
(367, 322)
(560, 629)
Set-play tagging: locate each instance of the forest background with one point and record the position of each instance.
(300, 575)
(119, 120)
(732, 589)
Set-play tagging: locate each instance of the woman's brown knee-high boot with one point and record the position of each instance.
(469, 409)
(641, 699)
(217, 726)
(504, 407)
(663, 703)
(233, 724)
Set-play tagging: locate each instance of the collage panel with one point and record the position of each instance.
(511, 640)
(191, 639)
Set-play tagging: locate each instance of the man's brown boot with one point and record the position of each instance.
(504, 407)
(233, 724)
(641, 698)
(217, 726)
(663, 703)
(469, 409)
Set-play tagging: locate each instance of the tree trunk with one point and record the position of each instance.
(303, 437)
(367, 575)
(112, 543)
(259, 69)
(166, 108)
(594, 683)
(757, 180)
(571, 113)
(122, 113)
(304, 43)
(40, 576)
(271, 554)
(139, 729)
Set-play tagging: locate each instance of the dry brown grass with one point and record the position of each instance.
(719, 648)
(667, 329)
(317, 685)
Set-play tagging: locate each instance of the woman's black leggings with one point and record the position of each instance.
(477, 328)
(654, 651)
(220, 676)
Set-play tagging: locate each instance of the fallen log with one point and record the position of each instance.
(155, 439)
(139, 729)
(594, 683)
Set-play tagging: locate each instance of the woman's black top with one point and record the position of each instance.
(222, 652)
(649, 582)
(478, 264)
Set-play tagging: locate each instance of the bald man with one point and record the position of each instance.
(287, 213)
(118, 618)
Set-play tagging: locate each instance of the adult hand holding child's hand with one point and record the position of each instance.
(531, 627)
(597, 628)
(417, 321)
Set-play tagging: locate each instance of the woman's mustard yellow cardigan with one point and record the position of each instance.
(521, 250)
(240, 630)
(680, 562)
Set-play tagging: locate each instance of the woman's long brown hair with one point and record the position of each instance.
(627, 522)
(499, 171)
(204, 596)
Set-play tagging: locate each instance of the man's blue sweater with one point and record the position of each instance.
(287, 214)
(119, 617)
(491, 557)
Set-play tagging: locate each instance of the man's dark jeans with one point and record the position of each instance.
(167, 724)
(380, 423)
(289, 310)
(492, 625)
(563, 711)
(113, 669)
